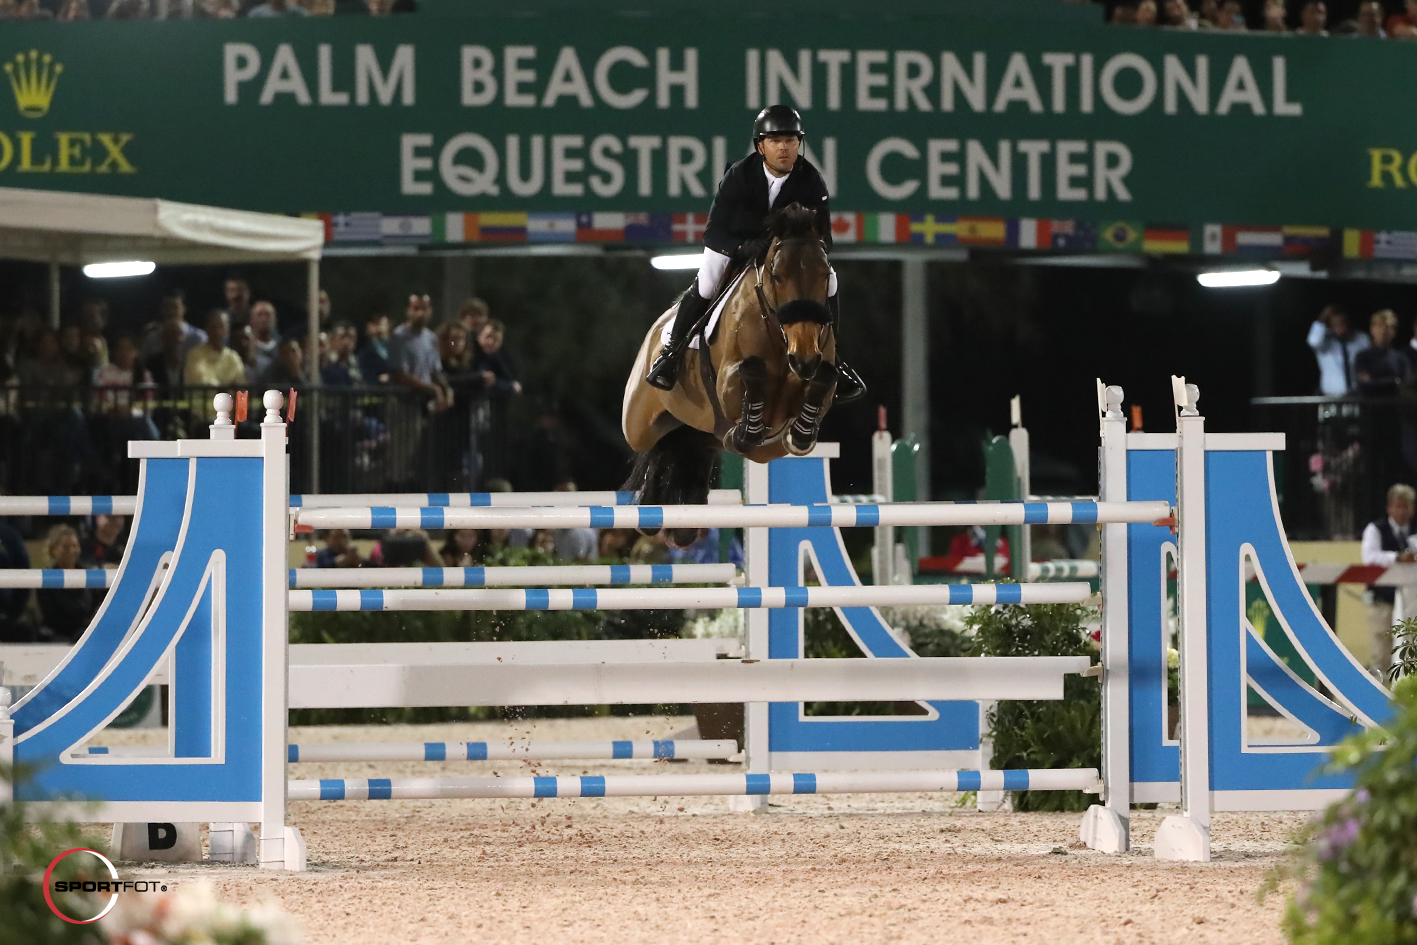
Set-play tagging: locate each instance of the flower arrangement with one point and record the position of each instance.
(192, 915)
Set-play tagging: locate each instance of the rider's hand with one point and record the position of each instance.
(753, 250)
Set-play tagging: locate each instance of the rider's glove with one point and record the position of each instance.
(751, 251)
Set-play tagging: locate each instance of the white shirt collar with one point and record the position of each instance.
(774, 183)
(1396, 528)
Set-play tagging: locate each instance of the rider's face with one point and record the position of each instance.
(780, 152)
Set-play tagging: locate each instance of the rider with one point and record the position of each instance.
(772, 177)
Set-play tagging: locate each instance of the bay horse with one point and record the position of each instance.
(758, 387)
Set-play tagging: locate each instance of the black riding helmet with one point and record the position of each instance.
(776, 120)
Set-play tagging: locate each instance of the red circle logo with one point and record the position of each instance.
(113, 898)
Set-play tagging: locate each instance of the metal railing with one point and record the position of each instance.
(66, 440)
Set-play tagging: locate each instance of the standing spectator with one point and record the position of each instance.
(374, 355)
(172, 310)
(265, 336)
(93, 321)
(1403, 25)
(1146, 13)
(238, 300)
(214, 364)
(1335, 347)
(463, 549)
(71, 346)
(1370, 19)
(1177, 15)
(124, 373)
(1313, 18)
(1275, 17)
(342, 368)
(339, 551)
(168, 364)
(492, 362)
(105, 542)
(66, 611)
(288, 368)
(275, 8)
(13, 554)
(473, 314)
(413, 354)
(453, 350)
(46, 366)
(245, 348)
(1386, 541)
(1381, 369)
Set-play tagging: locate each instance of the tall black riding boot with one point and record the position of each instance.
(664, 372)
(849, 385)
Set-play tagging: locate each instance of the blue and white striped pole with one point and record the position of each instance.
(516, 750)
(745, 516)
(687, 785)
(72, 579)
(533, 576)
(687, 598)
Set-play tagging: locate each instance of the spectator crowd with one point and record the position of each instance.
(1376, 19)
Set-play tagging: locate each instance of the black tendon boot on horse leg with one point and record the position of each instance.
(664, 372)
(802, 435)
(751, 427)
(849, 385)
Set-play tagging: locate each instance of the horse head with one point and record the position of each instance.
(794, 279)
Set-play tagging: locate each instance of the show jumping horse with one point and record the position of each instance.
(758, 387)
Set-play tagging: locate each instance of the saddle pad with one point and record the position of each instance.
(712, 324)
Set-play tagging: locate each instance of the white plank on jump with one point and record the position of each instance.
(515, 749)
(528, 576)
(747, 516)
(688, 785)
(498, 653)
(340, 686)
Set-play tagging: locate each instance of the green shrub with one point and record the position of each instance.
(1065, 734)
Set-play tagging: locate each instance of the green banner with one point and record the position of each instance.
(939, 130)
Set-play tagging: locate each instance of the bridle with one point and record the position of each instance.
(769, 312)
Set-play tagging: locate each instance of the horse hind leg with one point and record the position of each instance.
(802, 435)
(677, 470)
(751, 428)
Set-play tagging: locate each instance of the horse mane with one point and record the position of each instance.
(792, 222)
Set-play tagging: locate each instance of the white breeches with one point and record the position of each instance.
(715, 264)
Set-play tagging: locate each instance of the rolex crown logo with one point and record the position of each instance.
(33, 78)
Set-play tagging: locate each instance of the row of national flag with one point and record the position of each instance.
(927, 229)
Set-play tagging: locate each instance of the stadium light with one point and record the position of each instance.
(1237, 278)
(678, 261)
(118, 270)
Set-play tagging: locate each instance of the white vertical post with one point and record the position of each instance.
(1186, 836)
(915, 375)
(312, 360)
(1018, 445)
(756, 759)
(1107, 826)
(7, 745)
(883, 484)
(280, 847)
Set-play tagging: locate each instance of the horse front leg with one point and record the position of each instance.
(751, 428)
(802, 435)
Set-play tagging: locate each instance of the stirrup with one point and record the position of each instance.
(849, 386)
(664, 372)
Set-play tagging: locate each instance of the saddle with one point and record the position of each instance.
(704, 328)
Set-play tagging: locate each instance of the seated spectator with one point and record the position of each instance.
(574, 544)
(73, 10)
(1335, 347)
(492, 362)
(704, 550)
(1388, 541)
(1175, 14)
(275, 8)
(1313, 18)
(129, 10)
(105, 541)
(71, 348)
(616, 543)
(245, 349)
(970, 542)
(265, 336)
(651, 549)
(1275, 17)
(220, 9)
(46, 366)
(66, 612)
(172, 311)
(125, 373)
(1146, 13)
(1232, 17)
(238, 300)
(341, 369)
(288, 369)
(405, 548)
(463, 549)
(13, 602)
(214, 364)
(473, 314)
(1403, 25)
(1123, 14)
(339, 551)
(374, 355)
(167, 366)
(1381, 369)
(1370, 19)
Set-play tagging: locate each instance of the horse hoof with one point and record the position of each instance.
(681, 538)
(796, 449)
(649, 532)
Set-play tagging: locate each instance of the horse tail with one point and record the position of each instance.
(677, 470)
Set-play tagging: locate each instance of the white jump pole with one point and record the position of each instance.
(685, 598)
(516, 750)
(530, 576)
(690, 785)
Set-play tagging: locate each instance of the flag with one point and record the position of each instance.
(1304, 240)
(846, 227)
(501, 227)
(323, 218)
(649, 228)
(689, 227)
(1395, 244)
(1163, 238)
(1120, 236)
(1358, 244)
(406, 229)
(931, 230)
(1243, 240)
(455, 228)
(982, 231)
(1077, 235)
(886, 228)
(1028, 233)
(355, 227)
(600, 227)
(551, 228)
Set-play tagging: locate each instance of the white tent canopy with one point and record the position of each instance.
(75, 229)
